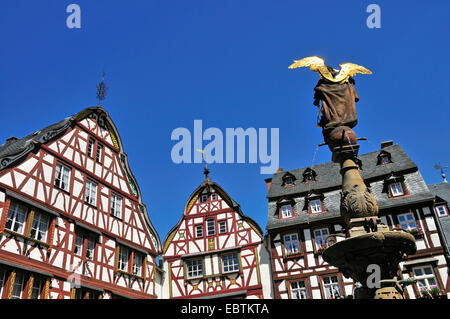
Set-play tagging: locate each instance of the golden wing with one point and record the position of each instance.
(315, 63)
(348, 70)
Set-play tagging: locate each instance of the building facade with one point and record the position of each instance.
(215, 251)
(72, 222)
(304, 218)
(441, 191)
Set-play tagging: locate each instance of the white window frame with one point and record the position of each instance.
(329, 288)
(397, 189)
(289, 180)
(2, 280)
(116, 205)
(321, 236)
(230, 263)
(124, 258)
(62, 177)
(213, 196)
(286, 211)
(222, 226)
(316, 206)
(198, 231)
(210, 227)
(79, 241)
(137, 264)
(91, 193)
(290, 243)
(424, 280)
(194, 268)
(91, 145)
(90, 249)
(36, 290)
(40, 226)
(17, 216)
(441, 210)
(407, 221)
(18, 285)
(299, 289)
(98, 154)
(203, 198)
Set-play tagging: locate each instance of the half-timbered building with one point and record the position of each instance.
(215, 251)
(72, 221)
(304, 218)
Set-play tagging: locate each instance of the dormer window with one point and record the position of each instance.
(441, 210)
(396, 189)
(395, 186)
(203, 198)
(309, 175)
(316, 206)
(288, 179)
(286, 211)
(384, 158)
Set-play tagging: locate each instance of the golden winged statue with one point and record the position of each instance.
(317, 64)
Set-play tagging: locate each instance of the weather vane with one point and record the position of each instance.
(442, 169)
(206, 170)
(101, 90)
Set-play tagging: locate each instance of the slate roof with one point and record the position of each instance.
(442, 190)
(329, 182)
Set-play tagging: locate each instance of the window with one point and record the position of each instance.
(36, 290)
(384, 159)
(18, 286)
(291, 244)
(137, 264)
(230, 263)
(441, 210)
(62, 175)
(203, 198)
(222, 226)
(425, 277)
(316, 206)
(194, 268)
(83, 293)
(116, 206)
(199, 231)
(407, 221)
(320, 236)
(124, 255)
(331, 287)
(78, 245)
(213, 196)
(309, 175)
(16, 217)
(39, 227)
(289, 181)
(130, 261)
(2, 280)
(396, 189)
(286, 211)
(298, 290)
(90, 147)
(98, 157)
(91, 193)
(210, 227)
(87, 241)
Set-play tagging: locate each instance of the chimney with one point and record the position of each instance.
(280, 170)
(386, 144)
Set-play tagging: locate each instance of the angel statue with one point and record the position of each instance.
(336, 91)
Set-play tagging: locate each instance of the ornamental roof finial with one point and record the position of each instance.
(101, 90)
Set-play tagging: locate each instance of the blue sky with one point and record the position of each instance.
(168, 63)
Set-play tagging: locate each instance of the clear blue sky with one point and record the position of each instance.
(225, 62)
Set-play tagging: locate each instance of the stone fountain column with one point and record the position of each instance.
(369, 245)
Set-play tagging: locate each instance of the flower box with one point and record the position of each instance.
(416, 232)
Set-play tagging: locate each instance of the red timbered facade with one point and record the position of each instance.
(72, 222)
(215, 251)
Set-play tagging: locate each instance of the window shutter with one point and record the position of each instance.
(4, 216)
(47, 289)
(51, 234)
(30, 222)
(72, 293)
(144, 270)
(30, 287)
(11, 284)
(117, 257)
